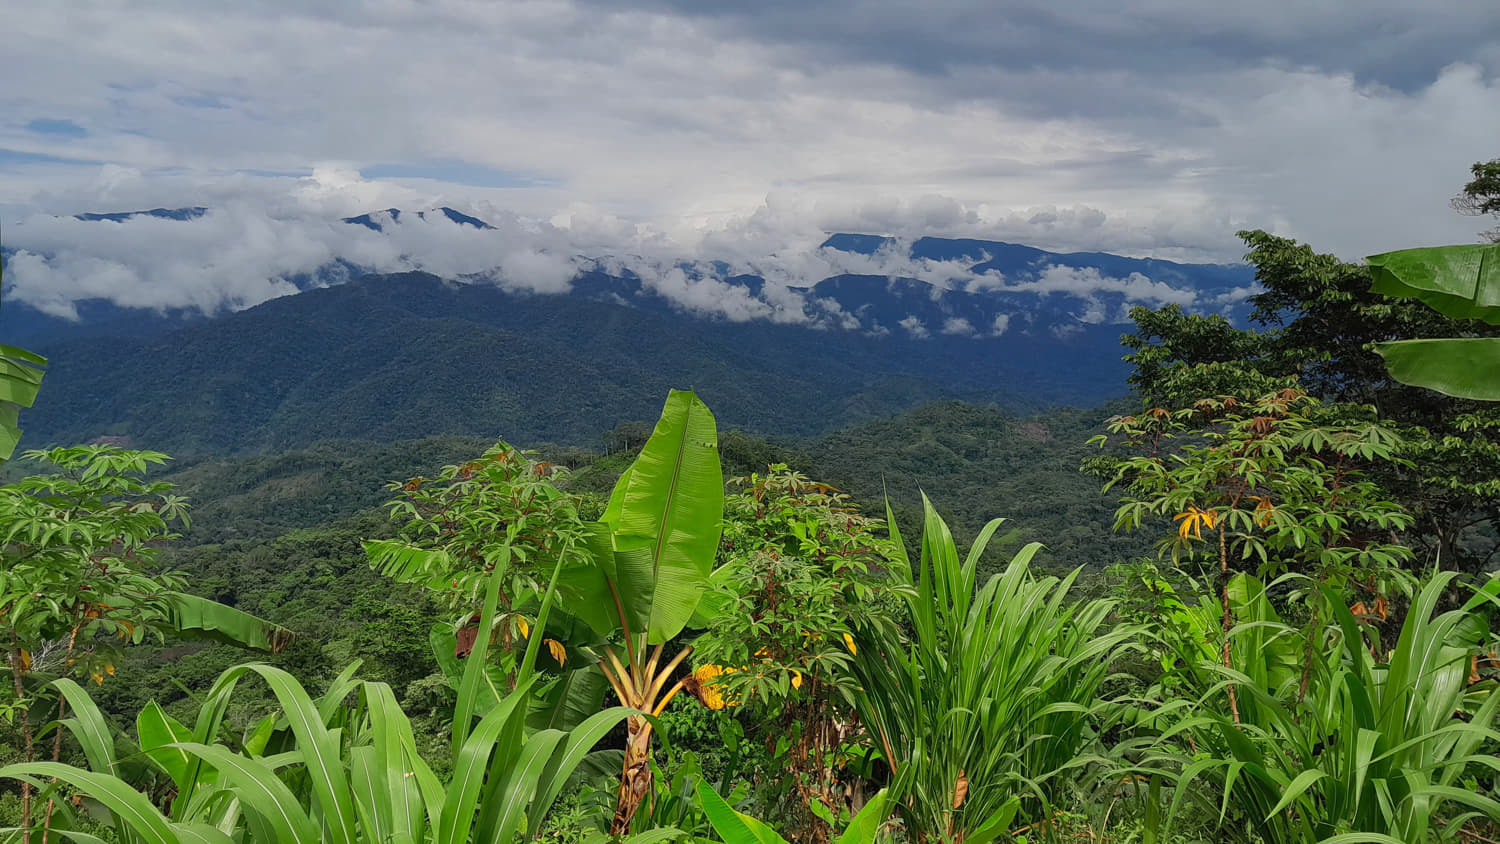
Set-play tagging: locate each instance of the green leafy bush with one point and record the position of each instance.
(1320, 734)
(992, 707)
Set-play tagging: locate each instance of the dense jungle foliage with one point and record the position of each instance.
(1263, 611)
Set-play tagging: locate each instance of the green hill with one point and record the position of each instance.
(976, 461)
(408, 356)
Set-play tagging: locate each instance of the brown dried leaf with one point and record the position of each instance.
(960, 789)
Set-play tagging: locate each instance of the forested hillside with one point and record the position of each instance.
(985, 462)
(408, 356)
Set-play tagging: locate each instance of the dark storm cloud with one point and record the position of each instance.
(1396, 43)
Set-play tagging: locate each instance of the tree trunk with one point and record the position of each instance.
(1228, 621)
(62, 709)
(635, 778)
(17, 671)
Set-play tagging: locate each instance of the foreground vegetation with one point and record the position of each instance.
(640, 650)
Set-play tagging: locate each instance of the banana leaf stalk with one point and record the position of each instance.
(992, 706)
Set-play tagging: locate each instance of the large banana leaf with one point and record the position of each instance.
(1462, 282)
(663, 522)
(200, 617)
(1463, 367)
(20, 378)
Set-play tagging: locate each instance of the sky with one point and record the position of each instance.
(744, 132)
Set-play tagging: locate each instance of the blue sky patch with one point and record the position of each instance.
(57, 128)
(213, 101)
(12, 157)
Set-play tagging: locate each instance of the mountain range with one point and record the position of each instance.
(386, 356)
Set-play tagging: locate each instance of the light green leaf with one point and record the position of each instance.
(570, 756)
(319, 748)
(1463, 367)
(864, 826)
(258, 788)
(471, 764)
(158, 733)
(1297, 788)
(732, 826)
(130, 807)
(199, 616)
(1462, 282)
(666, 525)
(88, 727)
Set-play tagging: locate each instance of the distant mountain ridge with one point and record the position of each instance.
(178, 214)
(405, 356)
(389, 356)
(377, 220)
(876, 284)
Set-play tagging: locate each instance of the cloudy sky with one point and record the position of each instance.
(739, 130)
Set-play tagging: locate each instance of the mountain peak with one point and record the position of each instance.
(179, 214)
(861, 244)
(374, 220)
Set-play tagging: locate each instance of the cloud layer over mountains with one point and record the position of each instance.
(222, 259)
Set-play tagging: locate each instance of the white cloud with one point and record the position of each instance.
(1086, 281)
(959, 327)
(262, 245)
(914, 327)
(706, 295)
(241, 255)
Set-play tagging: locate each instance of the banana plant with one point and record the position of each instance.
(650, 559)
(20, 379)
(1462, 282)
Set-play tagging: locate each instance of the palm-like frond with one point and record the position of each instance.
(20, 379)
(993, 703)
(1343, 742)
